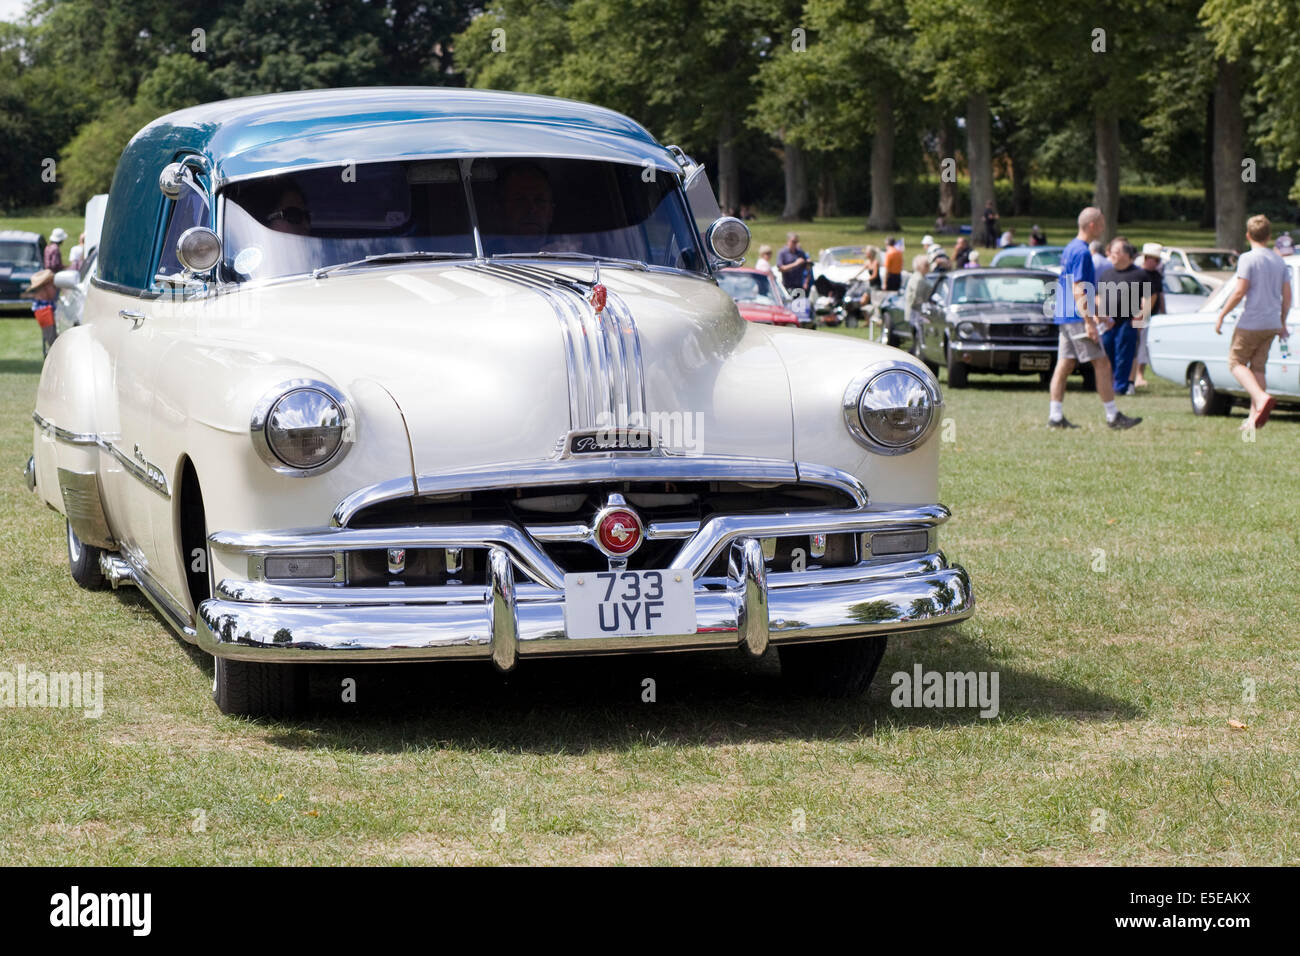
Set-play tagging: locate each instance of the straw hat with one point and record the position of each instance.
(44, 277)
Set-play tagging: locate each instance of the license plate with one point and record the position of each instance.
(1035, 363)
(629, 603)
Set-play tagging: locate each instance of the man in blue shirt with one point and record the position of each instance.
(1079, 339)
(794, 265)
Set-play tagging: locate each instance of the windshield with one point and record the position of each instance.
(1051, 257)
(294, 224)
(18, 252)
(750, 287)
(844, 255)
(1011, 290)
(1215, 261)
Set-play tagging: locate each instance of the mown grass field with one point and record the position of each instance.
(1137, 592)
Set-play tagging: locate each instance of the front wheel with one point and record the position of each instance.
(1206, 399)
(255, 689)
(83, 562)
(831, 668)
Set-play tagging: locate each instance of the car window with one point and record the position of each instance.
(1012, 290)
(1011, 260)
(582, 206)
(188, 210)
(294, 224)
(1216, 261)
(20, 253)
(1182, 284)
(1045, 259)
(749, 287)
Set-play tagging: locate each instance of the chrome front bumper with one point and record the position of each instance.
(504, 621)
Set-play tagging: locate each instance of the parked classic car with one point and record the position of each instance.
(760, 298)
(1185, 349)
(1028, 257)
(982, 320)
(20, 259)
(1183, 291)
(421, 374)
(841, 263)
(1213, 266)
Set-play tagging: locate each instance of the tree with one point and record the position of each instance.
(852, 74)
(1246, 34)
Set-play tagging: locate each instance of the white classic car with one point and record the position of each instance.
(1184, 348)
(415, 374)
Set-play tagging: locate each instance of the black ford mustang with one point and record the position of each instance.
(984, 320)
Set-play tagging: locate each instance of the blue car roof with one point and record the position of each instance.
(261, 135)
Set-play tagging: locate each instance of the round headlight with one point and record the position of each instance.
(728, 238)
(300, 428)
(891, 408)
(968, 330)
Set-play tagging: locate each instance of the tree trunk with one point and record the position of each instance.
(1022, 196)
(728, 165)
(979, 155)
(1207, 166)
(947, 190)
(828, 203)
(1105, 194)
(882, 165)
(796, 183)
(1229, 188)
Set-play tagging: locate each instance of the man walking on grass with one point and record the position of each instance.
(1263, 282)
(1079, 338)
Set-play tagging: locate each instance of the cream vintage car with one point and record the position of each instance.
(416, 374)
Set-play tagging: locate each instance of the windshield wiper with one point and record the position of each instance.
(407, 256)
(580, 256)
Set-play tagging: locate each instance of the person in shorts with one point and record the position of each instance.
(1263, 282)
(1079, 338)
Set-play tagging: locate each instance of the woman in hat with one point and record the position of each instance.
(42, 291)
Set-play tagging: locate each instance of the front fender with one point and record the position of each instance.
(205, 396)
(820, 367)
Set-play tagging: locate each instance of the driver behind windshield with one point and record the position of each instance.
(527, 207)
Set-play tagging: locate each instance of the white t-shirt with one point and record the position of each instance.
(1266, 272)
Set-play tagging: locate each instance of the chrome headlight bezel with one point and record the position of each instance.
(267, 405)
(857, 390)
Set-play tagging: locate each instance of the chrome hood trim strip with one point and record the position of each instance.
(606, 374)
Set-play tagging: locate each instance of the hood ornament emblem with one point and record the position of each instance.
(598, 291)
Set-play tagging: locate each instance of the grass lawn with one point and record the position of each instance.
(1136, 593)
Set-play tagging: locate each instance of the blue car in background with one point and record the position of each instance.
(20, 259)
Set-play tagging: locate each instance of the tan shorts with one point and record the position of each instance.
(1250, 348)
(1073, 343)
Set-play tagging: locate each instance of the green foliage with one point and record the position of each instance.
(1263, 33)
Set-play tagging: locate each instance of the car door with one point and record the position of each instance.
(145, 330)
(933, 321)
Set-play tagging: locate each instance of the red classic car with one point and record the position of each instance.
(761, 298)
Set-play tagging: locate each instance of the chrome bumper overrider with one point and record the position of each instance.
(503, 620)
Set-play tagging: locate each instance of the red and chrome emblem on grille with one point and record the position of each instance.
(618, 531)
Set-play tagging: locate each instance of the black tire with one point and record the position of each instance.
(83, 562)
(831, 668)
(1045, 378)
(957, 371)
(255, 689)
(1089, 377)
(1206, 399)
